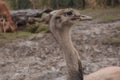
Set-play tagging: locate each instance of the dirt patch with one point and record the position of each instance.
(40, 58)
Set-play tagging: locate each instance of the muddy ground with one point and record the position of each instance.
(39, 57)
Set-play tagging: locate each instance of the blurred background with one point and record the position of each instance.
(56, 4)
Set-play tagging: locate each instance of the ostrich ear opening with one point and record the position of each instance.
(57, 17)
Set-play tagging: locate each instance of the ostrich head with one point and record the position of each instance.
(66, 17)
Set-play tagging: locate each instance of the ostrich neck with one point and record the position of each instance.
(63, 36)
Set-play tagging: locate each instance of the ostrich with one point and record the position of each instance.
(60, 24)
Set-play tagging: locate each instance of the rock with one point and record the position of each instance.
(22, 17)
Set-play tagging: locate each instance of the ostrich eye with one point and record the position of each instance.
(69, 13)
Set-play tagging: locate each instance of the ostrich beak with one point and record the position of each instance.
(85, 17)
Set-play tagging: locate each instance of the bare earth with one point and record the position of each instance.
(39, 57)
